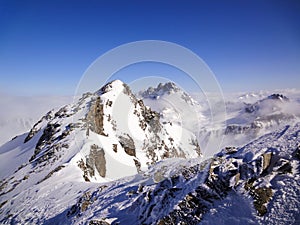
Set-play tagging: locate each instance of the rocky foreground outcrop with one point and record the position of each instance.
(256, 184)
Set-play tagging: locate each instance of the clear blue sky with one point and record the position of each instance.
(45, 46)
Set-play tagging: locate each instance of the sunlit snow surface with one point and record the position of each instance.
(120, 201)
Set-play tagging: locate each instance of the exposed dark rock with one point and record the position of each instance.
(25, 177)
(46, 138)
(197, 149)
(49, 153)
(128, 92)
(128, 144)
(261, 197)
(114, 125)
(149, 118)
(82, 204)
(109, 103)
(106, 88)
(196, 204)
(137, 165)
(20, 167)
(62, 112)
(96, 159)
(95, 117)
(230, 150)
(278, 97)
(98, 222)
(35, 128)
(285, 168)
(2, 204)
(84, 168)
(266, 160)
(14, 137)
(236, 129)
(115, 147)
(251, 108)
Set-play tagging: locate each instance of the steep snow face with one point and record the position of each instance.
(101, 137)
(256, 184)
(131, 133)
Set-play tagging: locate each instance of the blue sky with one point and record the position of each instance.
(45, 46)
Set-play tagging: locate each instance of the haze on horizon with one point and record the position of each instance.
(45, 47)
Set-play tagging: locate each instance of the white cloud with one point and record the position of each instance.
(18, 113)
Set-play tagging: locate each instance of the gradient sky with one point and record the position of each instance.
(45, 46)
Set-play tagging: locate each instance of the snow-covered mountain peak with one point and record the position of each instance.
(101, 137)
(167, 89)
(267, 105)
(115, 86)
(160, 90)
(278, 97)
(178, 107)
(271, 112)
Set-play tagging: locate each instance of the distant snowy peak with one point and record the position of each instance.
(160, 90)
(279, 97)
(175, 105)
(270, 103)
(165, 89)
(272, 112)
(250, 97)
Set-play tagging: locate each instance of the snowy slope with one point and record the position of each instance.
(256, 184)
(101, 137)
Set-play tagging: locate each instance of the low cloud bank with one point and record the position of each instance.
(18, 113)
